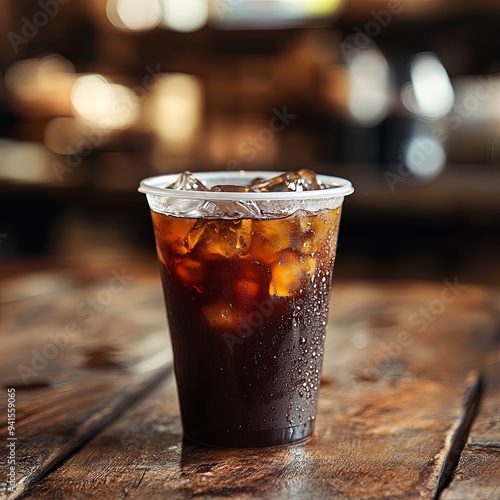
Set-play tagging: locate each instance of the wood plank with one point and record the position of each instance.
(478, 473)
(71, 382)
(394, 393)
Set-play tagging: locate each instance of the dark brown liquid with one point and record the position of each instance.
(247, 305)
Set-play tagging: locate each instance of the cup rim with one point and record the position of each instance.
(337, 186)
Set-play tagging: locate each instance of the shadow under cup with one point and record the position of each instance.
(247, 279)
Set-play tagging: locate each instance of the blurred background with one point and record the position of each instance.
(402, 97)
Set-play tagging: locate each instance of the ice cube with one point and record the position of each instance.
(319, 232)
(284, 182)
(310, 179)
(188, 271)
(187, 182)
(231, 188)
(171, 233)
(222, 316)
(251, 279)
(247, 290)
(256, 180)
(242, 231)
(303, 180)
(290, 274)
(226, 238)
(196, 233)
(248, 208)
(271, 237)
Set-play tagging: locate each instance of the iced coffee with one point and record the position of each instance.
(246, 264)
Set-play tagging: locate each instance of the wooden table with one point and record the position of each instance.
(409, 402)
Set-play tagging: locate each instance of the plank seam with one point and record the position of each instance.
(128, 401)
(460, 434)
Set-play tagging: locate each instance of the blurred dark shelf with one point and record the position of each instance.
(459, 188)
(449, 227)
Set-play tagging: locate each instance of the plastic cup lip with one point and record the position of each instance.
(336, 187)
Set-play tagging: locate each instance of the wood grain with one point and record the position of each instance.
(478, 473)
(71, 385)
(395, 393)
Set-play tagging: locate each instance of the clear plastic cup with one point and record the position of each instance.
(247, 279)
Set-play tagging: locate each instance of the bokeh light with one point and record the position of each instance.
(432, 88)
(41, 86)
(98, 103)
(369, 87)
(322, 7)
(176, 109)
(185, 15)
(24, 162)
(134, 15)
(424, 156)
(277, 14)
